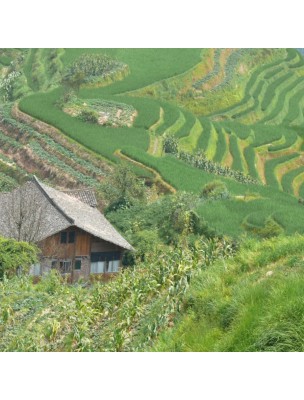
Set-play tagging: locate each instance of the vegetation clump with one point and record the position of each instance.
(250, 302)
(269, 229)
(16, 257)
(170, 144)
(215, 190)
(91, 69)
(199, 160)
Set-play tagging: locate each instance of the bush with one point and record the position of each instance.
(270, 229)
(89, 116)
(170, 144)
(16, 256)
(215, 190)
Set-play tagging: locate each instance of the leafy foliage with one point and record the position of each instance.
(89, 116)
(270, 229)
(89, 67)
(122, 188)
(170, 144)
(215, 190)
(250, 302)
(16, 256)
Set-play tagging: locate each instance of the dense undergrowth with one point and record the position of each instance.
(185, 121)
(251, 302)
(125, 314)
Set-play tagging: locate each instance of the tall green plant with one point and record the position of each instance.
(16, 257)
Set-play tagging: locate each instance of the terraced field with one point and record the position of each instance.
(244, 108)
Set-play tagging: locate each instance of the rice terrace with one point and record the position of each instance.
(196, 156)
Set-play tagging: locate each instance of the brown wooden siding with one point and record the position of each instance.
(51, 247)
(99, 245)
(83, 243)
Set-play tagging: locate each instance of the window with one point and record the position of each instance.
(67, 237)
(65, 266)
(35, 270)
(113, 266)
(63, 237)
(98, 267)
(105, 262)
(77, 264)
(54, 264)
(71, 236)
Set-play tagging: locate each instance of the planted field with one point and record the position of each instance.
(257, 132)
(239, 305)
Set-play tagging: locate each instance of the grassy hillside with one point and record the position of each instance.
(123, 315)
(242, 107)
(252, 302)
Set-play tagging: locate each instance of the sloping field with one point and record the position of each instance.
(258, 132)
(252, 302)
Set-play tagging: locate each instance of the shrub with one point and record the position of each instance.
(89, 116)
(16, 256)
(270, 229)
(170, 144)
(215, 190)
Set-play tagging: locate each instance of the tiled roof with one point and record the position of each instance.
(87, 196)
(60, 210)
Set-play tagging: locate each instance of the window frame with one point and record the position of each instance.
(66, 236)
(78, 259)
(62, 268)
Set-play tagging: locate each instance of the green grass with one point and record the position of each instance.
(189, 143)
(290, 140)
(289, 177)
(160, 63)
(171, 116)
(226, 216)
(270, 166)
(234, 306)
(205, 136)
(282, 105)
(272, 87)
(5, 60)
(97, 138)
(249, 155)
(295, 113)
(272, 90)
(255, 77)
(221, 146)
(235, 151)
(187, 126)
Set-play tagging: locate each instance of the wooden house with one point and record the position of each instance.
(73, 235)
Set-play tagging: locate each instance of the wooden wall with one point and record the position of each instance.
(84, 245)
(51, 247)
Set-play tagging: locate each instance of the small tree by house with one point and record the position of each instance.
(16, 256)
(24, 214)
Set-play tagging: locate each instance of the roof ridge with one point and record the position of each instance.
(38, 183)
(78, 190)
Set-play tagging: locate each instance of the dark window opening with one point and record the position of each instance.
(54, 264)
(67, 237)
(77, 264)
(63, 237)
(71, 236)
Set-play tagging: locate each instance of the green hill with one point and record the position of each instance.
(251, 302)
(242, 107)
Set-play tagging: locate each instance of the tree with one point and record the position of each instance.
(215, 190)
(73, 80)
(14, 255)
(24, 210)
(170, 144)
(123, 188)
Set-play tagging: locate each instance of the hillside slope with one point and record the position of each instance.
(252, 302)
(243, 108)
